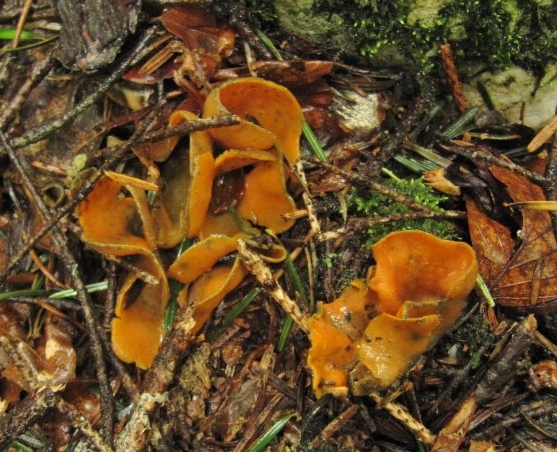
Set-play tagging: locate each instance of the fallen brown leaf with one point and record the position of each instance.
(518, 271)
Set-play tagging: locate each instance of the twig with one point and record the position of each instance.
(549, 186)
(263, 274)
(359, 224)
(482, 153)
(21, 22)
(364, 181)
(38, 72)
(334, 426)
(191, 126)
(543, 135)
(498, 373)
(400, 413)
(312, 217)
(452, 76)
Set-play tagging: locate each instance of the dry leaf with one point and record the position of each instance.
(519, 272)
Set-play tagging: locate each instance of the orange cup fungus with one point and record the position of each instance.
(119, 219)
(376, 330)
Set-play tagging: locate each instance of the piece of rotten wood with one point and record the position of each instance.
(27, 412)
(502, 365)
(451, 435)
(94, 31)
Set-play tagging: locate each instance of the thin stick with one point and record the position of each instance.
(364, 181)
(543, 135)
(263, 274)
(22, 18)
(452, 76)
(400, 413)
(39, 71)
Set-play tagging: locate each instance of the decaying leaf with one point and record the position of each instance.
(196, 51)
(51, 362)
(518, 271)
(370, 336)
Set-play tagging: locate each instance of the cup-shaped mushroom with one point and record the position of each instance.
(330, 358)
(110, 221)
(419, 267)
(376, 330)
(390, 346)
(138, 326)
(271, 116)
(209, 290)
(353, 310)
(180, 209)
(201, 257)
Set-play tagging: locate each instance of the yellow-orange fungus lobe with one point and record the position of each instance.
(413, 295)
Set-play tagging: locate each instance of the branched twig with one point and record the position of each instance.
(400, 413)
(191, 126)
(359, 224)
(263, 274)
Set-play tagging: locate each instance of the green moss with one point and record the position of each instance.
(498, 32)
(262, 12)
(377, 205)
